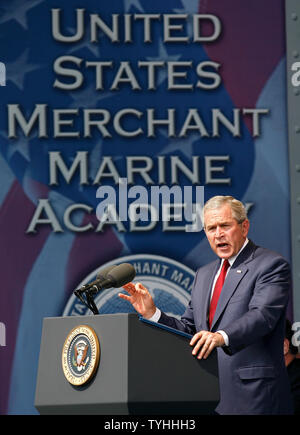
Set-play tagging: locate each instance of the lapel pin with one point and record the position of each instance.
(239, 271)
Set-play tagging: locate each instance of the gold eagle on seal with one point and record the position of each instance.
(80, 353)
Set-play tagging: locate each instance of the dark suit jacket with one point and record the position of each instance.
(294, 377)
(251, 310)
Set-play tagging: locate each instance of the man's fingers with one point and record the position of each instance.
(204, 342)
(134, 290)
(206, 349)
(126, 297)
(140, 286)
(130, 287)
(141, 289)
(201, 342)
(195, 338)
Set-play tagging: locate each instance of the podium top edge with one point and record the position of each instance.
(92, 316)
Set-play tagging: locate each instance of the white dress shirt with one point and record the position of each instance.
(231, 260)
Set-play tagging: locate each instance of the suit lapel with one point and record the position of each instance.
(233, 279)
(207, 285)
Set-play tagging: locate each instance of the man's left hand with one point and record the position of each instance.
(205, 342)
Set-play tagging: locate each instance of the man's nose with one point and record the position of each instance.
(219, 231)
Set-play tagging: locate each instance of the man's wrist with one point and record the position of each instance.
(156, 316)
(225, 337)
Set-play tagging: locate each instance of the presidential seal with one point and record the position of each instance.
(80, 355)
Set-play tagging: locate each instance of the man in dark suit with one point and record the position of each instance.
(237, 305)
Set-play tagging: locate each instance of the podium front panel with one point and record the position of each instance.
(142, 370)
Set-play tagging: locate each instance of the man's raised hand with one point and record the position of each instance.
(140, 299)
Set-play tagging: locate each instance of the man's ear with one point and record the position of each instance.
(286, 346)
(245, 227)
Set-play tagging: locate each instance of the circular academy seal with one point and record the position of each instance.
(80, 355)
(168, 281)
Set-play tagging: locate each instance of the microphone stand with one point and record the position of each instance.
(89, 301)
(91, 304)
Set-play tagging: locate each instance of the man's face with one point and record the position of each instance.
(225, 235)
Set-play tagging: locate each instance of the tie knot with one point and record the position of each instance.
(225, 264)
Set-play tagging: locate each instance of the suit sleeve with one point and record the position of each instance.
(267, 305)
(186, 323)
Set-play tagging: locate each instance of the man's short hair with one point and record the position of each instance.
(238, 209)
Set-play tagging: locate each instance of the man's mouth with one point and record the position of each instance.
(222, 245)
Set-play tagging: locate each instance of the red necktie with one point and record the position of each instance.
(217, 291)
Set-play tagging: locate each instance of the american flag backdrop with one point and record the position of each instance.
(40, 270)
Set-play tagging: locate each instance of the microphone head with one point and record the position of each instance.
(102, 274)
(121, 275)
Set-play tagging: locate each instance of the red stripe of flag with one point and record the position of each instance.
(18, 252)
